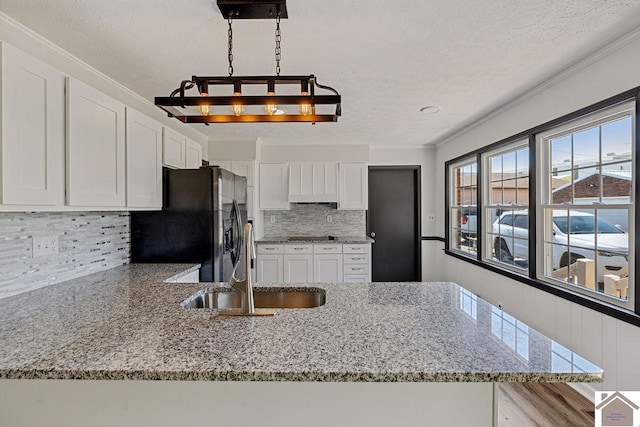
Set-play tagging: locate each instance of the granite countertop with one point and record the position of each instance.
(299, 239)
(127, 323)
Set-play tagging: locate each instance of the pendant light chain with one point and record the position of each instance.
(230, 54)
(278, 38)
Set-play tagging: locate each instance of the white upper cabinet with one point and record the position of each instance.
(354, 186)
(144, 161)
(274, 186)
(193, 154)
(245, 168)
(32, 139)
(313, 182)
(174, 149)
(95, 147)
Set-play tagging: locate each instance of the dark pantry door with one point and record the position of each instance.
(394, 219)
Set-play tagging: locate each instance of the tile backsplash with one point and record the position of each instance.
(87, 242)
(311, 220)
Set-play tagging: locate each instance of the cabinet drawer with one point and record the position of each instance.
(362, 248)
(327, 249)
(356, 258)
(360, 269)
(356, 278)
(270, 249)
(298, 249)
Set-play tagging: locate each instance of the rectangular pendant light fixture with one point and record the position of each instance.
(271, 98)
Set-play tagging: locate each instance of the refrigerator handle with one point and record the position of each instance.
(238, 219)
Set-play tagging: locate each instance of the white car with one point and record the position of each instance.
(613, 243)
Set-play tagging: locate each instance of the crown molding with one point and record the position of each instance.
(563, 75)
(8, 24)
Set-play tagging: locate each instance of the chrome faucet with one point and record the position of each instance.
(245, 287)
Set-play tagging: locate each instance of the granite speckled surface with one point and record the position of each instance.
(127, 323)
(300, 239)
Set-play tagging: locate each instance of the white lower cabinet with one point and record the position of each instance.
(270, 268)
(298, 268)
(318, 263)
(357, 262)
(327, 268)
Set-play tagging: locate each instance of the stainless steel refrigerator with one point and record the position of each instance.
(201, 221)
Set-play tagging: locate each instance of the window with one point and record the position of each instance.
(506, 193)
(463, 212)
(587, 204)
(554, 207)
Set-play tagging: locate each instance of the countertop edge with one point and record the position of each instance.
(295, 376)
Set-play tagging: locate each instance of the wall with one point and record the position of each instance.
(32, 43)
(612, 344)
(88, 242)
(284, 153)
(311, 220)
(232, 150)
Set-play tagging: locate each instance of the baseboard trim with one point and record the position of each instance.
(585, 389)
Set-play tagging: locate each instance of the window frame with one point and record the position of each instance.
(620, 313)
(544, 202)
(449, 243)
(511, 146)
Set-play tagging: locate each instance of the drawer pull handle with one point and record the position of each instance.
(357, 259)
(357, 269)
(298, 249)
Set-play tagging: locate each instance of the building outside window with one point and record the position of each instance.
(463, 208)
(586, 208)
(506, 205)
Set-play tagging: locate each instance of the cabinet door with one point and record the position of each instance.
(354, 186)
(193, 154)
(325, 180)
(32, 131)
(270, 269)
(144, 161)
(327, 268)
(95, 147)
(245, 168)
(298, 268)
(174, 149)
(274, 184)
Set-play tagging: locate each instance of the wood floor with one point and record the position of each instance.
(542, 405)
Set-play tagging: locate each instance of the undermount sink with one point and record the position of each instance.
(226, 299)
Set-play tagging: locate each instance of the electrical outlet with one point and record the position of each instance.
(431, 217)
(44, 245)
(329, 218)
(272, 218)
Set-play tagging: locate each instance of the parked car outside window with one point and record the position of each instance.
(574, 237)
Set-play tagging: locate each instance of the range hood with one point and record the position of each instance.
(313, 182)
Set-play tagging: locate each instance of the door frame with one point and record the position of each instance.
(418, 211)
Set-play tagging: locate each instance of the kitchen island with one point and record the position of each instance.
(376, 354)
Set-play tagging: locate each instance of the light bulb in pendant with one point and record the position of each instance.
(271, 109)
(204, 91)
(237, 109)
(305, 109)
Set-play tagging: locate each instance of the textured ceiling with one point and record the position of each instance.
(386, 58)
